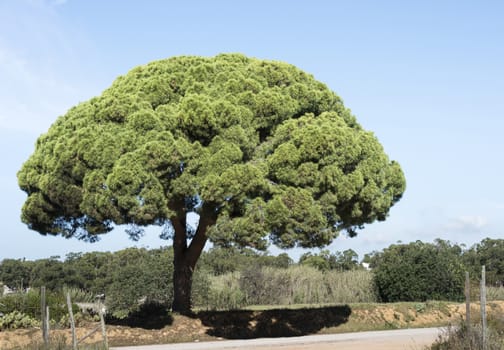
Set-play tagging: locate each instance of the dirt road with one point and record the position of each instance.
(409, 339)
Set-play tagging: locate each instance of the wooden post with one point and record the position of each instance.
(72, 322)
(468, 302)
(102, 322)
(483, 308)
(43, 311)
(47, 323)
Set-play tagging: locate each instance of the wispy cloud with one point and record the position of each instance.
(467, 224)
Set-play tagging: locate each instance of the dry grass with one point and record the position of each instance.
(495, 293)
(297, 285)
(359, 317)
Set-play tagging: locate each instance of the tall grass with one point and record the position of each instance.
(78, 295)
(460, 338)
(225, 292)
(495, 293)
(295, 285)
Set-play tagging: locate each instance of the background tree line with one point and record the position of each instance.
(232, 278)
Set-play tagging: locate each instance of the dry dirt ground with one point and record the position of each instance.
(215, 325)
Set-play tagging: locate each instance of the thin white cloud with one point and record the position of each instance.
(467, 224)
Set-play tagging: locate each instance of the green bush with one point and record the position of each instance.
(29, 304)
(419, 272)
(139, 276)
(16, 320)
(225, 292)
(200, 287)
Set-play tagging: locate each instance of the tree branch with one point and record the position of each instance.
(179, 226)
(208, 217)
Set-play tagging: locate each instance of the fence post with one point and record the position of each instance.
(47, 323)
(483, 308)
(468, 302)
(102, 323)
(72, 322)
(43, 312)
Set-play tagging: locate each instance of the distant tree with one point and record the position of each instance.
(419, 271)
(91, 270)
(282, 260)
(324, 260)
(50, 273)
(219, 261)
(319, 261)
(346, 260)
(15, 273)
(489, 252)
(260, 150)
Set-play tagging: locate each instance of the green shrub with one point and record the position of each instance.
(225, 292)
(16, 320)
(29, 303)
(418, 272)
(78, 295)
(200, 287)
(138, 276)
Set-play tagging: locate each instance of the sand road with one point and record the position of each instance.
(404, 339)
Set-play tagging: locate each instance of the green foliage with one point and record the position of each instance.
(201, 287)
(79, 295)
(89, 271)
(49, 273)
(137, 277)
(16, 320)
(305, 285)
(342, 261)
(268, 148)
(319, 261)
(219, 260)
(294, 285)
(419, 272)
(15, 274)
(488, 252)
(259, 149)
(29, 304)
(225, 293)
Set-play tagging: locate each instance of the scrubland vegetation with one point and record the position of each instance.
(138, 281)
(227, 278)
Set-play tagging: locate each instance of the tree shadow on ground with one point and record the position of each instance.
(149, 316)
(272, 323)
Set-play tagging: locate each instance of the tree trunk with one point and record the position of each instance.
(185, 257)
(182, 287)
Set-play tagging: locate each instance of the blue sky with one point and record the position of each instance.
(427, 77)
